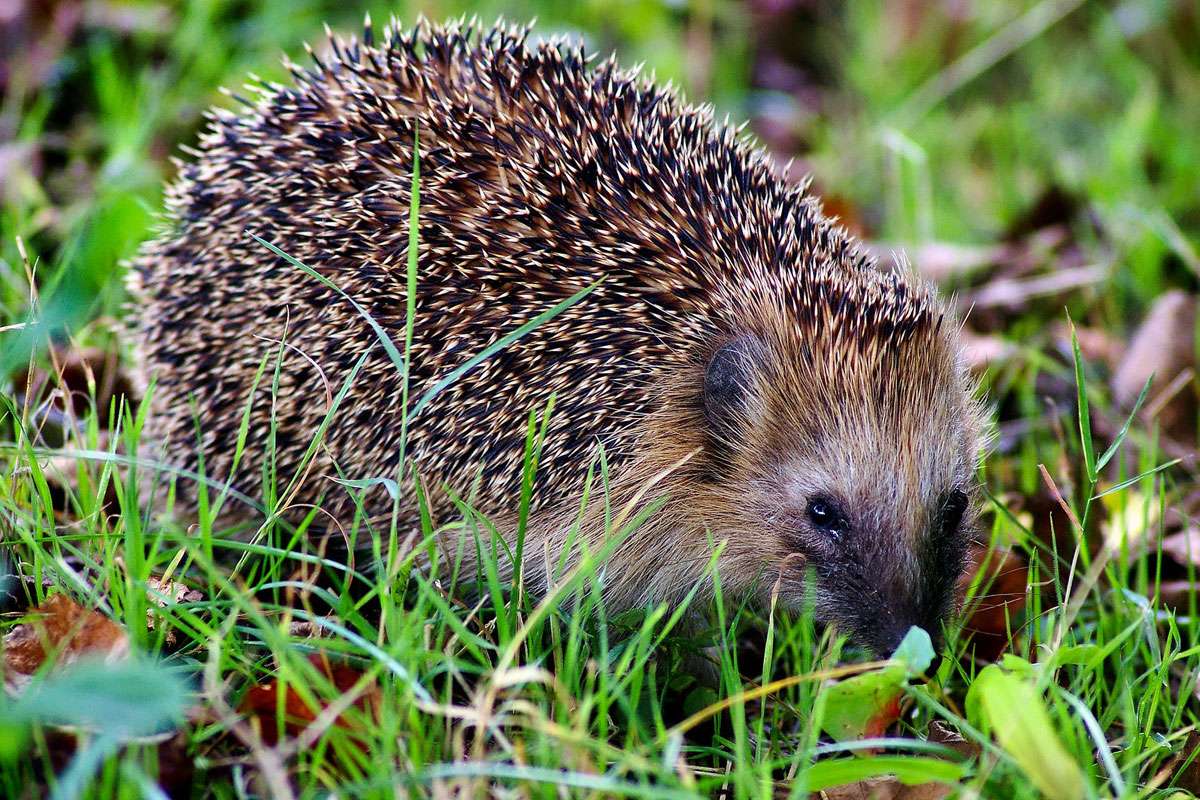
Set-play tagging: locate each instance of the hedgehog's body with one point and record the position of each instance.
(741, 358)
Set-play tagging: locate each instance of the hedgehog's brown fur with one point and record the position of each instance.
(540, 174)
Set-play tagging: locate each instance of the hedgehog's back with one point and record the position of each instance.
(539, 176)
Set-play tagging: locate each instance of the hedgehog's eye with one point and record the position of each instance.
(954, 506)
(823, 513)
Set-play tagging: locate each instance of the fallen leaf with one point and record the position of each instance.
(891, 776)
(1184, 547)
(984, 351)
(886, 789)
(176, 769)
(1003, 578)
(163, 593)
(307, 629)
(871, 789)
(1015, 294)
(924, 791)
(261, 703)
(62, 628)
(866, 705)
(845, 213)
(884, 717)
(1182, 770)
(943, 734)
(1163, 347)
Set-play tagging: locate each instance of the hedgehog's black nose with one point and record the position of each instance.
(893, 637)
(934, 665)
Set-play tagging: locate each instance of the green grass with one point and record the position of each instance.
(951, 134)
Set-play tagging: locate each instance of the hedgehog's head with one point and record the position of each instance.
(842, 437)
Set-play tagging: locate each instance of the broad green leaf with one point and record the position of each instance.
(133, 698)
(1087, 655)
(1013, 710)
(12, 737)
(915, 651)
(1018, 666)
(866, 704)
(908, 770)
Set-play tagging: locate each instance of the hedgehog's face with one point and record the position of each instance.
(855, 470)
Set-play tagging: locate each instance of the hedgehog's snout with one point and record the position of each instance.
(884, 633)
(876, 575)
(878, 618)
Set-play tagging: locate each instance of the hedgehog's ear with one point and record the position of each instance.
(730, 382)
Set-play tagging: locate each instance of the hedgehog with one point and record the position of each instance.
(742, 370)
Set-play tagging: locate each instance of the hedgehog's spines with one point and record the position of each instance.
(545, 166)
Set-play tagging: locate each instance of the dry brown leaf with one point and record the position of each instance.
(940, 733)
(1014, 294)
(983, 351)
(1184, 766)
(994, 612)
(176, 768)
(161, 593)
(261, 702)
(177, 591)
(309, 629)
(845, 213)
(73, 374)
(1184, 547)
(62, 628)
(886, 789)
(871, 789)
(1163, 347)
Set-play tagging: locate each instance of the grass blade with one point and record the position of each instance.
(499, 345)
(388, 346)
(1085, 419)
(1131, 481)
(1112, 448)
